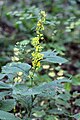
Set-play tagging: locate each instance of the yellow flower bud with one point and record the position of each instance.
(43, 14)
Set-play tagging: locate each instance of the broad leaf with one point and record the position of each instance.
(20, 89)
(7, 105)
(16, 67)
(7, 116)
(4, 85)
(2, 76)
(58, 111)
(12, 69)
(47, 89)
(51, 56)
(3, 94)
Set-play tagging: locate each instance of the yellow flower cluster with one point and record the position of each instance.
(35, 41)
(36, 59)
(36, 55)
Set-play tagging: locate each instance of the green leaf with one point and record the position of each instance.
(68, 86)
(76, 80)
(51, 117)
(76, 116)
(3, 94)
(4, 85)
(39, 113)
(45, 89)
(7, 116)
(64, 80)
(51, 56)
(20, 89)
(16, 67)
(77, 102)
(65, 96)
(59, 111)
(19, 92)
(24, 101)
(24, 42)
(41, 78)
(2, 76)
(7, 105)
(12, 69)
(62, 103)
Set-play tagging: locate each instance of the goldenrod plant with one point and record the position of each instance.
(48, 100)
